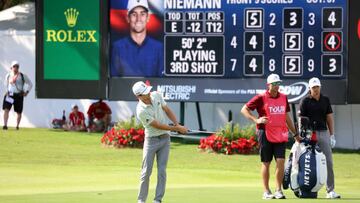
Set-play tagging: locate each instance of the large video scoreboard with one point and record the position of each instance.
(245, 39)
(223, 50)
(198, 50)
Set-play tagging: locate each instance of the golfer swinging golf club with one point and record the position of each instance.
(152, 111)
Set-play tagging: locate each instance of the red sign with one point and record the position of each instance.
(358, 30)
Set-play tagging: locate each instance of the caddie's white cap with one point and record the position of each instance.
(135, 3)
(140, 88)
(273, 78)
(13, 63)
(314, 82)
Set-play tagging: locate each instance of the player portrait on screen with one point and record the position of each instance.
(135, 53)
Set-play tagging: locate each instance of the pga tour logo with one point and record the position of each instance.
(277, 109)
(295, 91)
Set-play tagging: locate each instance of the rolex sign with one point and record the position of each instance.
(71, 40)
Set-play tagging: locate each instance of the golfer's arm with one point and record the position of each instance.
(247, 113)
(330, 123)
(170, 114)
(156, 124)
(290, 124)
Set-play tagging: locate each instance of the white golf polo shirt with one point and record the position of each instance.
(147, 113)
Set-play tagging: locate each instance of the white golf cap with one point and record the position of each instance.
(135, 3)
(273, 78)
(140, 88)
(13, 63)
(314, 82)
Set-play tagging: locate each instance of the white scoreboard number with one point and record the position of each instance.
(292, 65)
(253, 65)
(254, 18)
(292, 41)
(331, 65)
(254, 41)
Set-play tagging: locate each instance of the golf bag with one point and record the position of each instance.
(305, 170)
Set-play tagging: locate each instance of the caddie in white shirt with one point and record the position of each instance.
(153, 113)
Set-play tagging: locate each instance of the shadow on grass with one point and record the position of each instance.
(346, 151)
(347, 199)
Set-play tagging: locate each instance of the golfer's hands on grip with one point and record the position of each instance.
(262, 120)
(181, 129)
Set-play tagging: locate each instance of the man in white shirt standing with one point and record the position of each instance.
(153, 112)
(15, 92)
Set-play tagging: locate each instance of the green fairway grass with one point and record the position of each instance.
(48, 166)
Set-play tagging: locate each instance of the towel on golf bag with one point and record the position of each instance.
(291, 166)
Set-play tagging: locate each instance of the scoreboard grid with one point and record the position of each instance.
(311, 41)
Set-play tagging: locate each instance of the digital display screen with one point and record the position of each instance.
(222, 51)
(241, 38)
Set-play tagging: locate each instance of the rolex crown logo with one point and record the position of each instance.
(71, 16)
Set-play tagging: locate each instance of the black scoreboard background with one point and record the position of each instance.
(237, 40)
(354, 53)
(222, 51)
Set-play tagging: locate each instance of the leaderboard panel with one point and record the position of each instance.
(223, 50)
(253, 38)
(194, 43)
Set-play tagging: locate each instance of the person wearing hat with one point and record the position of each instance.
(318, 109)
(272, 126)
(76, 120)
(137, 54)
(18, 86)
(153, 112)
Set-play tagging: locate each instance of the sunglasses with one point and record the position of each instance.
(275, 83)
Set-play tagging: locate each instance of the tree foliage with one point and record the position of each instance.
(4, 4)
